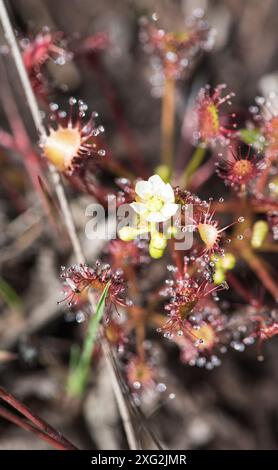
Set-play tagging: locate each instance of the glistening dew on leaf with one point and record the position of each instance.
(80, 279)
(211, 127)
(173, 51)
(72, 141)
(45, 45)
(209, 232)
(238, 170)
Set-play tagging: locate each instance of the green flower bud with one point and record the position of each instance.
(219, 276)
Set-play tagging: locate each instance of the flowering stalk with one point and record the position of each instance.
(168, 122)
(195, 162)
(7, 141)
(118, 113)
(254, 261)
(242, 291)
(10, 297)
(262, 180)
(268, 247)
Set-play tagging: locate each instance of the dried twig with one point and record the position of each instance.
(28, 427)
(38, 425)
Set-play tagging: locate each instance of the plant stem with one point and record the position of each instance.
(240, 289)
(36, 115)
(28, 427)
(35, 420)
(268, 248)
(168, 123)
(7, 141)
(117, 111)
(195, 161)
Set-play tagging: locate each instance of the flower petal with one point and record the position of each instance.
(168, 193)
(143, 189)
(157, 185)
(139, 207)
(169, 209)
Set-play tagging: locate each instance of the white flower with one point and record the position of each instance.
(156, 200)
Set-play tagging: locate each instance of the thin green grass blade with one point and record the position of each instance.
(9, 296)
(79, 371)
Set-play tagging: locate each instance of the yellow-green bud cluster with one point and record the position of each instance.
(222, 264)
(259, 233)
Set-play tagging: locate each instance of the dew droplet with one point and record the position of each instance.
(161, 387)
(53, 107)
(72, 101)
(136, 385)
(238, 346)
(80, 317)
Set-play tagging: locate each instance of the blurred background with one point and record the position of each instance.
(232, 407)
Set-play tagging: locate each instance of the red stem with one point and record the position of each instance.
(7, 140)
(28, 427)
(20, 136)
(202, 174)
(38, 422)
(177, 259)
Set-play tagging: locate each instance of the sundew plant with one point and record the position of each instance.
(138, 295)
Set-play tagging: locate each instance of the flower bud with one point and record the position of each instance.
(228, 261)
(219, 276)
(128, 234)
(155, 253)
